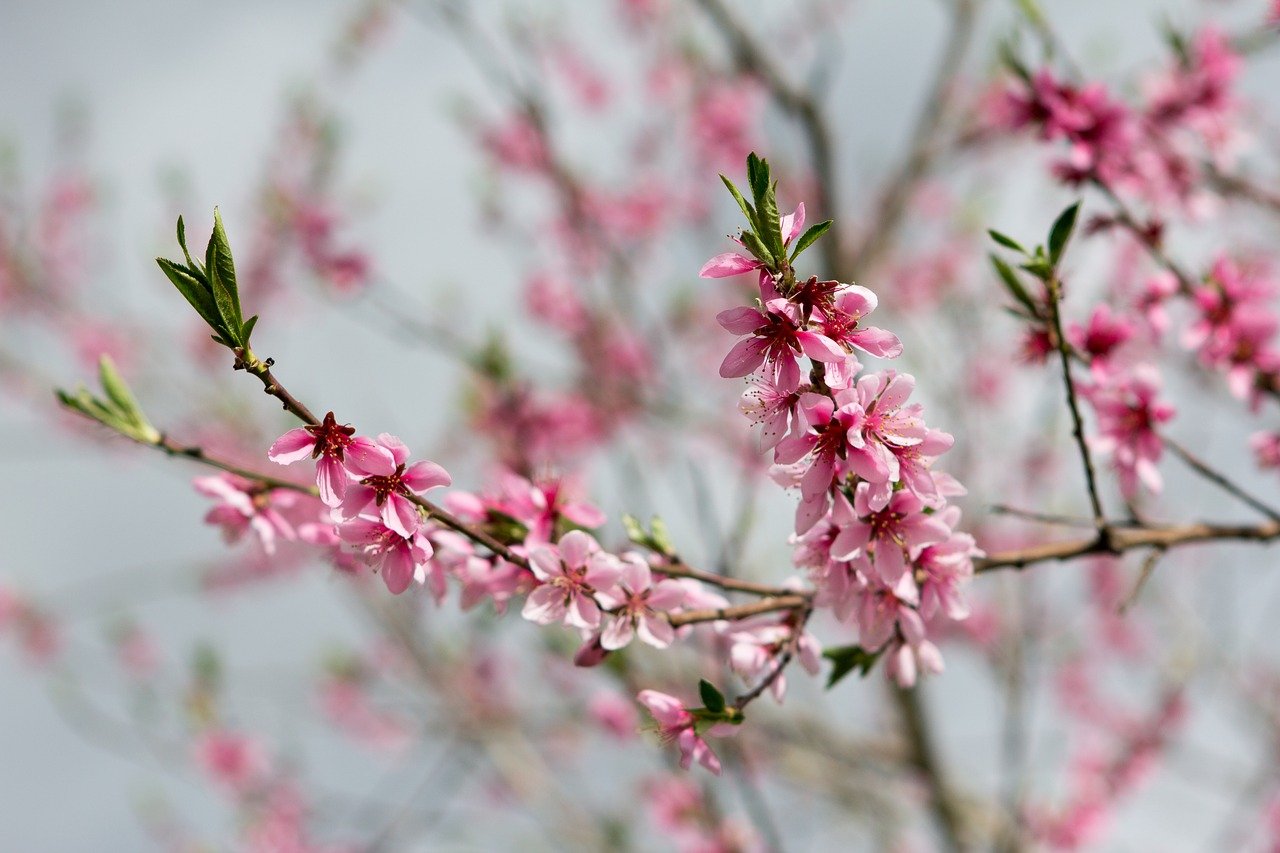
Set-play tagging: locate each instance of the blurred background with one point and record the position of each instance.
(155, 109)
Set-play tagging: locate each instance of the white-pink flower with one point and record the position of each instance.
(677, 725)
(637, 606)
(398, 558)
(570, 575)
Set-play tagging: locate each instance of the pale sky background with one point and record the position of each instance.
(200, 86)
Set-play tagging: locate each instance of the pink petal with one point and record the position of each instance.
(364, 458)
(618, 634)
(331, 480)
(426, 475)
(294, 445)
(401, 516)
(878, 342)
(397, 569)
(746, 356)
(820, 347)
(730, 263)
(742, 320)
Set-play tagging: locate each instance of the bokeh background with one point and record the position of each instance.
(174, 105)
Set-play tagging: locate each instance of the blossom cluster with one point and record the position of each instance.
(873, 525)
(1152, 151)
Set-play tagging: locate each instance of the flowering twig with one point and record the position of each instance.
(1218, 479)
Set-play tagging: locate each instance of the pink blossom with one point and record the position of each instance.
(638, 606)
(234, 761)
(893, 535)
(243, 506)
(614, 714)
(1129, 414)
(676, 723)
(1098, 341)
(398, 558)
(754, 651)
(1266, 449)
(905, 661)
(328, 443)
(386, 481)
(570, 575)
(776, 337)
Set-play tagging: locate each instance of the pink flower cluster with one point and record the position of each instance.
(1153, 150)
(367, 486)
(873, 525)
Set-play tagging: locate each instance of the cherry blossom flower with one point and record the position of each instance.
(1101, 338)
(676, 724)
(243, 506)
(386, 482)
(570, 575)
(637, 606)
(754, 651)
(234, 761)
(776, 337)
(329, 444)
(1129, 414)
(398, 558)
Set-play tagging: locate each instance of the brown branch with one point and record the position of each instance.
(1217, 479)
(740, 611)
(1126, 538)
(679, 569)
(1077, 422)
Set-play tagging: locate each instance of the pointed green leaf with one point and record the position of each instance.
(809, 237)
(712, 698)
(247, 329)
(1014, 286)
(757, 248)
(757, 177)
(117, 391)
(1060, 233)
(195, 269)
(635, 532)
(222, 279)
(192, 290)
(848, 658)
(747, 210)
(771, 223)
(1006, 241)
(660, 536)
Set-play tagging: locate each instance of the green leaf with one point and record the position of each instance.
(1007, 242)
(247, 329)
(195, 292)
(757, 248)
(712, 698)
(1060, 233)
(1038, 267)
(195, 269)
(222, 279)
(809, 237)
(771, 223)
(660, 536)
(1013, 285)
(747, 210)
(117, 392)
(757, 176)
(848, 658)
(635, 532)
